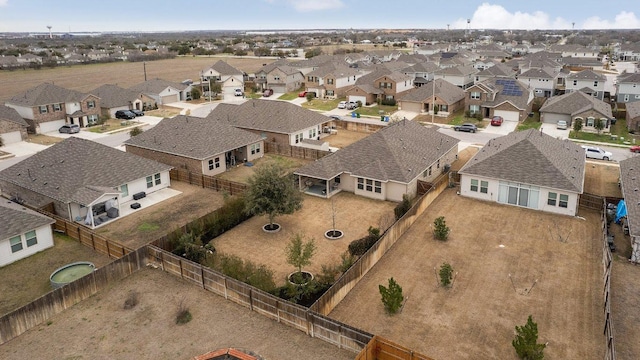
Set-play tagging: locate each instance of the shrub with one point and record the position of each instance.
(359, 103)
(440, 229)
(131, 301)
(310, 96)
(391, 296)
(183, 315)
(195, 94)
(436, 108)
(347, 261)
(135, 131)
(478, 116)
(259, 276)
(446, 274)
(403, 207)
(360, 246)
(388, 102)
(526, 341)
(577, 125)
(190, 247)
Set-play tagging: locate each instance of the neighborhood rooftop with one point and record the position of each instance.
(16, 218)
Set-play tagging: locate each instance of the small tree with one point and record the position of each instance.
(299, 253)
(599, 125)
(135, 131)
(446, 274)
(526, 341)
(391, 296)
(436, 108)
(403, 207)
(440, 229)
(577, 125)
(272, 193)
(195, 94)
(310, 96)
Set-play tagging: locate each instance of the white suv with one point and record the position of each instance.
(238, 92)
(593, 152)
(342, 105)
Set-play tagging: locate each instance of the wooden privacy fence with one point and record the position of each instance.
(382, 349)
(294, 151)
(282, 311)
(20, 320)
(330, 299)
(607, 264)
(208, 182)
(590, 201)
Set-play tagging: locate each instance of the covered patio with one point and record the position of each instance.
(319, 187)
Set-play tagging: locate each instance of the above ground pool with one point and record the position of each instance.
(70, 272)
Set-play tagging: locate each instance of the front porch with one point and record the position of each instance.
(319, 187)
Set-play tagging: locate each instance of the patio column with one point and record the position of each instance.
(326, 187)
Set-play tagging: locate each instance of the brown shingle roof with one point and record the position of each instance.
(633, 110)
(458, 70)
(17, 219)
(399, 152)
(45, 94)
(223, 68)
(78, 170)
(444, 90)
(630, 183)
(574, 103)
(156, 86)
(533, 158)
(11, 115)
(114, 96)
(193, 137)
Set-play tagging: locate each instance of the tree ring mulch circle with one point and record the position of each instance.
(306, 277)
(333, 234)
(271, 229)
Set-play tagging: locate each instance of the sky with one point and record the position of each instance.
(163, 15)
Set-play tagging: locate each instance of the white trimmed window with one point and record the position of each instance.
(43, 109)
(474, 109)
(31, 238)
(255, 148)
(474, 185)
(149, 181)
(157, 178)
(475, 95)
(16, 243)
(329, 81)
(57, 107)
(124, 190)
(552, 199)
(91, 104)
(564, 201)
(370, 185)
(484, 187)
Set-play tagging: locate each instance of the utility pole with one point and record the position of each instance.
(144, 65)
(433, 102)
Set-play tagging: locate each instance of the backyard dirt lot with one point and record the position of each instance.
(242, 173)
(99, 327)
(602, 179)
(354, 215)
(344, 138)
(125, 74)
(26, 280)
(476, 317)
(625, 302)
(149, 224)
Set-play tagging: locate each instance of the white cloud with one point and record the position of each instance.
(4, 3)
(306, 6)
(624, 20)
(488, 16)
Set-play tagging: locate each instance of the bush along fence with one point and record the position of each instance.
(20, 320)
(208, 182)
(330, 299)
(271, 306)
(607, 264)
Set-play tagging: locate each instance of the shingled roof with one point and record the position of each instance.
(531, 157)
(79, 170)
(574, 103)
(630, 183)
(193, 137)
(156, 86)
(223, 68)
(399, 152)
(268, 115)
(11, 115)
(586, 75)
(17, 219)
(497, 86)
(444, 90)
(633, 110)
(45, 94)
(536, 73)
(114, 96)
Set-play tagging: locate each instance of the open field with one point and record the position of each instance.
(99, 327)
(125, 74)
(149, 224)
(354, 215)
(476, 317)
(26, 280)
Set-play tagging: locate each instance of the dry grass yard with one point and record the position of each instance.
(99, 327)
(26, 280)
(242, 173)
(354, 215)
(345, 138)
(476, 317)
(43, 139)
(126, 74)
(602, 179)
(625, 285)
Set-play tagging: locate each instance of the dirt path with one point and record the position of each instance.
(99, 328)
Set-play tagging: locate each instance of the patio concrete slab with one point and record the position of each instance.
(150, 200)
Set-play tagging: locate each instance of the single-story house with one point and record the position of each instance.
(528, 169)
(23, 233)
(114, 98)
(504, 97)
(577, 105)
(202, 146)
(13, 128)
(83, 179)
(162, 92)
(629, 184)
(385, 165)
(633, 116)
(448, 97)
(274, 121)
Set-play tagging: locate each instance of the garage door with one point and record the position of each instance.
(551, 118)
(51, 126)
(169, 99)
(508, 115)
(279, 89)
(362, 99)
(411, 106)
(11, 137)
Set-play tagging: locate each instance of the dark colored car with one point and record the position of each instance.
(137, 112)
(69, 129)
(125, 114)
(472, 128)
(496, 120)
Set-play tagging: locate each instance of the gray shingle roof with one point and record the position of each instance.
(497, 70)
(519, 101)
(458, 70)
(630, 183)
(193, 137)
(223, 68)
(537, 74)
(268, 115)
(633, 109)
(112, 96)
(444, 90)
(629, 78)
(156, 86)
(531, 157)
(45, 94)
(399, 152)
(11, 115)
(586, 75)
(339, 71)
(574, 103)
(78, 170)
(17, 219)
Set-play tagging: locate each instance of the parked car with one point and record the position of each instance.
(335, 117)
(352, 105)
(562, 125)
(466, 127)
(302, 94)
(496, 120)
(342, 105)
(125, 114)
(69, 129)
(267, 92)
(593, 152)
(238, 92)
(635, 149)
(137, 112)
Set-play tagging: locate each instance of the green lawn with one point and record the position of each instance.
(375, 110)
(619, 129)
(111, 125)
(288, 96)
(459, 119)
(322, 104)
(530, 123)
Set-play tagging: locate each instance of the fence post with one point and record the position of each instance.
(226, 296)
(180, 263)
(250, 299)
(202, 276)
(310, 323)
(108, 250)
(202, 180)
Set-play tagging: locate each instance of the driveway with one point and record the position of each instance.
(83, 134)
(504, 129)
(550, 129)
(23, 148)
(403, 114)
